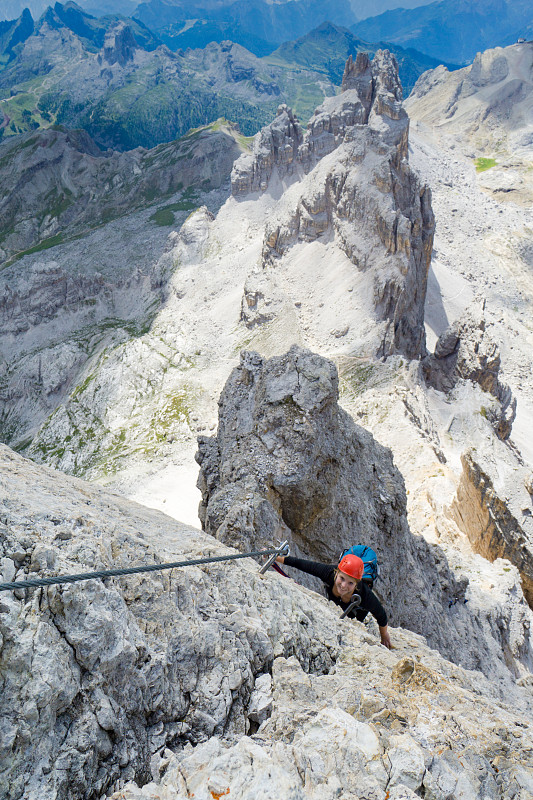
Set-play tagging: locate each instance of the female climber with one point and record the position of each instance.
(340, 583)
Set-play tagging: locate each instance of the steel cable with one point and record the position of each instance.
(109, 573)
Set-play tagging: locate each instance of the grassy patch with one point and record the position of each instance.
(482, 164)
(81, 387)
(56, 202)
(358, 378)
(246, 142)
(177, 410)
(44, 245)
(163, 217)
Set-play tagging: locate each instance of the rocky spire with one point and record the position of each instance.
(358, 75)
(356, 186)
(119, 44)
(371, 95)
(275, 146)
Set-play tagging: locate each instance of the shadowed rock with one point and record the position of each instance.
(61, 183)
(288, 462)
(493, 506)
(119, 45)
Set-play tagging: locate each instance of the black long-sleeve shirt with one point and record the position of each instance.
(326, 573)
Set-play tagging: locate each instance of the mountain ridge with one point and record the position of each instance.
(453, 30)
(112, 90)
(328, 46)
(109, 75)
(342, 331)
(486, 111)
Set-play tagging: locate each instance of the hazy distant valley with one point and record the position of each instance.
(118, 81)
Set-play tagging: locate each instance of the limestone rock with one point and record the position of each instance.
(60, 180)
(119, 44)
(214, 680)
(356, 187)
(325, 739)
(494, 508)
(288, 463)
(467, 351)
(98, 677)
(370, 95)
(276, 145)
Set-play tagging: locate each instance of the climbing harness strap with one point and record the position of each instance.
(278, 569)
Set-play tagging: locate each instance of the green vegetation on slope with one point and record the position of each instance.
(482, 164)
(327, 48)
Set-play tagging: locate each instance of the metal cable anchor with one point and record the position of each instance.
(355, 602)
(283, 550)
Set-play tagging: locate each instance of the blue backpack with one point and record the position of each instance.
(370, 560)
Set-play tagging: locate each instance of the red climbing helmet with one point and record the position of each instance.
(352, 565)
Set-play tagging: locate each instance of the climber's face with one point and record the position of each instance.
(345, 585)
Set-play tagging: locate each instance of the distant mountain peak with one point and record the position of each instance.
(119, 44)
(450, 30)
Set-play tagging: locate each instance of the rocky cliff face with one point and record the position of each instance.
(211, 679)
(358, 191)
(493, 507)
(119, 45)
(484, 110)
(104, 686)
(288, 462)
(466, 351)
(57, 322)
(58, 180)
(77, 307)
(275, 146)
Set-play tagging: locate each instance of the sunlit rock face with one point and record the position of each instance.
(466, 351)
(356, 187)
(211, 679)
(98, 677)
(484, 112)
(492, 506)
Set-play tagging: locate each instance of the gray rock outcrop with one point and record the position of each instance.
(119, 44)
(58, 183)
(164, 677)
(364, 731)
(98, 677)
(356, 187)
(276, 145)
(484, 111)
(466, 351)
(288, 462)
(493, 506)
